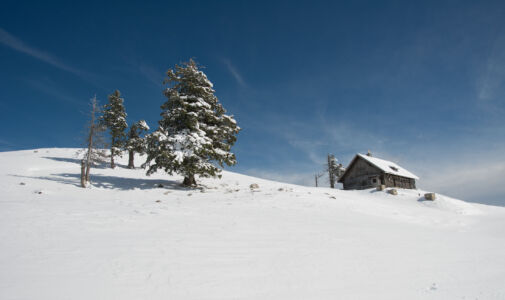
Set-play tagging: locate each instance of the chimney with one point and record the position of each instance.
(369, 153)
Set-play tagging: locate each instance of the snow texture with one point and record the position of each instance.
(142, 124)
(129, 236)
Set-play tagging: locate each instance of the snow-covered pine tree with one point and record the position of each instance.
(135, 142)
(331, 167)
(194, 133)
(334, 170)
(114, 117)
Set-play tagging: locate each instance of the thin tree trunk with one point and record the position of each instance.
(189, 180)
(131, 156)
(88, 167)
(83, 173)
(88, 156)
(112, 164)
(90, 142)
(331, 172)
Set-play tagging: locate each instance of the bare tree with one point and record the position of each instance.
(317, 176)
(94, 140)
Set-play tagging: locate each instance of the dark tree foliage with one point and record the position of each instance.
(135, 143)
(195, 135)
(114, 118)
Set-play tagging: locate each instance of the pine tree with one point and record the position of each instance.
(136, 143)
(94, 151)
(194, 133)
(114, 117)
(331, 167)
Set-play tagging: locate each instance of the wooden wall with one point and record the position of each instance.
(362, 175)
(391, 180)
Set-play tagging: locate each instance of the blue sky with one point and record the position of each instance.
(422, 83)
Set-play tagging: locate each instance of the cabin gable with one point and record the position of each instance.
(361, 175)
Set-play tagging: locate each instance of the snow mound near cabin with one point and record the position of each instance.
(131, 236)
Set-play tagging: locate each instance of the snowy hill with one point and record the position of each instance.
(130, 236)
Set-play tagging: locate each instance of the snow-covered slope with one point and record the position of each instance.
(127, 237)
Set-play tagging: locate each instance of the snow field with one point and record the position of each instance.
(127, 237)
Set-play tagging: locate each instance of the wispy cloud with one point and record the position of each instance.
(321, 136)
(309, 144)
(493, 78)
(477, 178)
(13, 42)
(50, 88)
(151, 74)
(234, 72)
(140, 66)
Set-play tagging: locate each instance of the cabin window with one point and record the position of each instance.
(374, 180)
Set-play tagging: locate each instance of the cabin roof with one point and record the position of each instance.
(386, 166)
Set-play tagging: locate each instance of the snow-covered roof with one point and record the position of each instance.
(386, 166)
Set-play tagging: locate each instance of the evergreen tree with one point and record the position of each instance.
(136, 143)
(194, 133)
(334, 170)
(114, 118)
(331, 167)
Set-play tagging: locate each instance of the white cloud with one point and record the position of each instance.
(476, 179)
(11, 41)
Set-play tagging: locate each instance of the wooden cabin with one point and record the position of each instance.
(366, 171)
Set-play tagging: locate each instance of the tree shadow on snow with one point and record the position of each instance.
(101, 165)
(111, 182)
